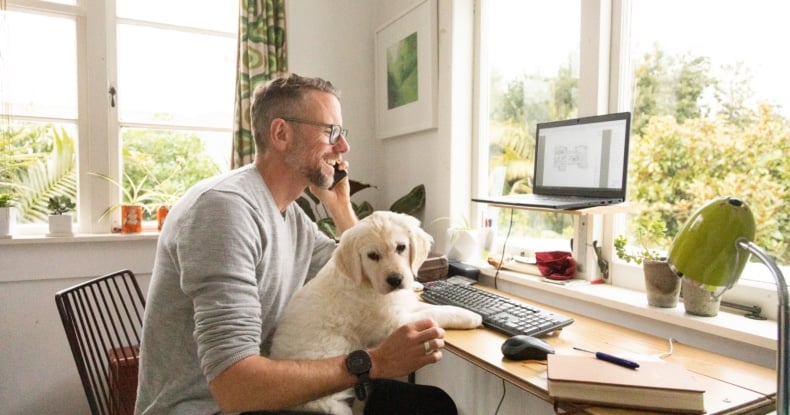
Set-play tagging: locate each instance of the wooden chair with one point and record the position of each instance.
(103, 318)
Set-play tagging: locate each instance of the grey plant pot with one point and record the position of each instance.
(698, 301)
(661, 284)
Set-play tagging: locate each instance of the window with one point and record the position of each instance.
(710, 113)
(533, 76)
(152, 86)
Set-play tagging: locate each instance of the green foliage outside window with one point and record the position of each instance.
(38, 162)
(167, 163)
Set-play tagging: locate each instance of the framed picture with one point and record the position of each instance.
(406, 72)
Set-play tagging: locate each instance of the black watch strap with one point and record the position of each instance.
(361, 388)
(358, 363)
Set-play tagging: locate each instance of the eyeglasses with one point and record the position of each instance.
(335, 131)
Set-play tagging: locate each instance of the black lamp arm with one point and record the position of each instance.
(782, 365)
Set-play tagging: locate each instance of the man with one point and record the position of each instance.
(235, 249)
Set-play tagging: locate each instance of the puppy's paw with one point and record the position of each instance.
(468, 319)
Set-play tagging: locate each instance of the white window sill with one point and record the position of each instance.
(728, 333)
(78, 238)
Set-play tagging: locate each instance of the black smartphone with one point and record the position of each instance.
(339, 175)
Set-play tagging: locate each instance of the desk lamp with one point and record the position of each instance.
(712, 249)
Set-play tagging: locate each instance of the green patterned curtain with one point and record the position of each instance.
(261, 56)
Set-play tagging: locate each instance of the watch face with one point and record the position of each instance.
(358, 362)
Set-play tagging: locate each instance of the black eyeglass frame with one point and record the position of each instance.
(335, 130)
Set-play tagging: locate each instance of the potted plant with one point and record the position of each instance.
(59, 219)
(410, 203)
(6, 214)
(662, 285)
(137, 197)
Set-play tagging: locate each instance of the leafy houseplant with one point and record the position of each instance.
(649, 235)
(58, 205)
(136, 198)
(59, 221)
(662, 285)
(410, 203)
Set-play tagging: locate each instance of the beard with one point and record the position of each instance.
(309, 165)
(316, 176)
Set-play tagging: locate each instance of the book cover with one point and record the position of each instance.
(655, 385)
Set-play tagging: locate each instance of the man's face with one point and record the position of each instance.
(311, 153)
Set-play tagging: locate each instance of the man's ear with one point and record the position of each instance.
(279, 133)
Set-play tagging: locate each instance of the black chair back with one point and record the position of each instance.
(103, 319)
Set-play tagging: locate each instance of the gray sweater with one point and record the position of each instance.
(227, 263)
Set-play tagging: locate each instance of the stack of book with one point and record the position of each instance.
(655, 385)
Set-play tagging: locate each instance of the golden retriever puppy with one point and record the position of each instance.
(360, 297)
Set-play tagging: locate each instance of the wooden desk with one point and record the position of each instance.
(731, 386)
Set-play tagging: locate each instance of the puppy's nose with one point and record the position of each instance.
(395, 279)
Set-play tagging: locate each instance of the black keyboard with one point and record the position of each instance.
(499, 313)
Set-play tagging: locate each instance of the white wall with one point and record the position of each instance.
(37, 371)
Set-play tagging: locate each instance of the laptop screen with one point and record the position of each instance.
(583, 157)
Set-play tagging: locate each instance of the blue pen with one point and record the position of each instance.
(612, 359)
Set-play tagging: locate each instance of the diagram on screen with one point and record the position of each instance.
(565, 156)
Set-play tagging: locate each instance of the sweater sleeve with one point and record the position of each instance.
(219, 246)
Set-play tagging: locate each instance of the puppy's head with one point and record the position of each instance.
(383, 251)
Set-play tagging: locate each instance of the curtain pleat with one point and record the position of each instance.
(261, 57)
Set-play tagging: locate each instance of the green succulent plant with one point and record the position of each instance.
(59, 205)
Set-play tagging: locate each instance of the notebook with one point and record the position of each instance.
(581, 162)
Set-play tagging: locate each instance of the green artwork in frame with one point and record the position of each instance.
(402, 72)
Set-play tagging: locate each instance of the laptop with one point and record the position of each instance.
(579, 163)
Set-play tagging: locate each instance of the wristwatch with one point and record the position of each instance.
(358, 363)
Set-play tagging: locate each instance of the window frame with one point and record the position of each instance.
(604, 86)
(97, 120)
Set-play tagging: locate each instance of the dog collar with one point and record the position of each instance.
(358, 363)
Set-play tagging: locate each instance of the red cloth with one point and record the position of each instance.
(556, 265)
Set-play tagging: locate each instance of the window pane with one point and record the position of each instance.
(534, 72)
(42, 70)
(160, 165)
(711, 112)
(175, 77)
(205, 14)
(38, 161)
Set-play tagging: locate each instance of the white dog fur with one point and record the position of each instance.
(360, 297)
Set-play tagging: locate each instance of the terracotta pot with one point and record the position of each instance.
(161, 214)
(662, 285)
(131, 219)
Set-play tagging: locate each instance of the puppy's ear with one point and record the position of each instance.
(347, 256)
(420, 242)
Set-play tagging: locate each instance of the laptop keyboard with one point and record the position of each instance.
(499, 313)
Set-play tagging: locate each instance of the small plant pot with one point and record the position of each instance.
(662, 285)
(161, 214)
(698, 301)
(60, 225)
(6, 217)
(464, 245)
(131, 219)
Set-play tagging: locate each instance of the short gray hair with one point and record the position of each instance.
(282, 96)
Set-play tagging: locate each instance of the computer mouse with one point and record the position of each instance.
(523, 347)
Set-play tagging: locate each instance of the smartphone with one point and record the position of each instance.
(339, 175)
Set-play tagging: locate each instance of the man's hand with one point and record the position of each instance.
(338, 201)
(409, 348)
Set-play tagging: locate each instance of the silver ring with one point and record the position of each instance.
(427, 346)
